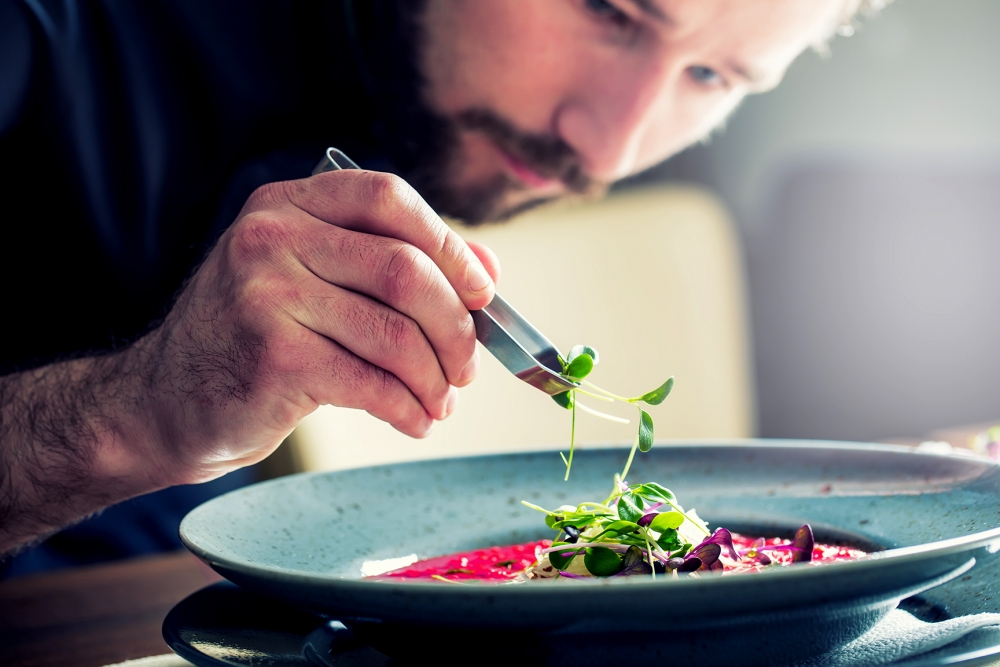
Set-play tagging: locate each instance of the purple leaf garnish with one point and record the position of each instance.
(724, 539)
(690, 564)
(570, 575)
(634, 563)
(708, 553)
(675, 563)
(803, 543)
(646, 519)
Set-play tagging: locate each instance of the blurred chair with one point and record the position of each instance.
(651, 277)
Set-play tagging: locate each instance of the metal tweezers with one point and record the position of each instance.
(520, 347)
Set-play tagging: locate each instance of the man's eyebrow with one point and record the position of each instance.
(650, 8)
(751, 75)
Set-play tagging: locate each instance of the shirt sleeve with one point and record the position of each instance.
(16, 60)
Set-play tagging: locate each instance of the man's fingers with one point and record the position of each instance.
(489, 259)
(344, 379)
(402, 277)
(385, 205)
(378, 334)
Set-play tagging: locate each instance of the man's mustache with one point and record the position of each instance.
(547, 156)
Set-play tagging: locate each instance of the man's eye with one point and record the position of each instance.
(606, 10)
(704, 74)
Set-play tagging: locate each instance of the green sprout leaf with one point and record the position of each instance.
(621, 528)
(560, 561)
(564, 399)
(670, 540)
(667, 521)
(580, 367)
(583, 349)
(654, 492)
(602, 562)
(682, 550)
(576, 522)
(657, 396)
(645, 431)
(628, 509)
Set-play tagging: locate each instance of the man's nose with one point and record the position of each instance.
(606, 120)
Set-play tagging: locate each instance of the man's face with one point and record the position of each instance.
(554, 97)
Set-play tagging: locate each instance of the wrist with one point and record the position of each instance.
(123, 442)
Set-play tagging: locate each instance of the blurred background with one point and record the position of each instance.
(866, 192)
(827, 266)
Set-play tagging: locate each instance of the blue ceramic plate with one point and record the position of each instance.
(304, 538)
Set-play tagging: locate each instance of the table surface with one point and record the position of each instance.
(96, 615)
(103, 614)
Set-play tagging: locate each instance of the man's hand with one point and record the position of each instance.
(343, 289)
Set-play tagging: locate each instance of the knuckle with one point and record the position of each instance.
(388, 195)
(452, 248)
(396, 331)
(257, 235)
(465, 335)
(267, 196)
(403, 273)
(380, 382)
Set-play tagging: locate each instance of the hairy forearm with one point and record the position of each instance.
(72, 441)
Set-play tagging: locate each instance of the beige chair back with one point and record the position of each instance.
(652, 278)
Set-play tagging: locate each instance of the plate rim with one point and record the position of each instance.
(877, 560)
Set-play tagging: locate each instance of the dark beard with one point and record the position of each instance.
(424, 147)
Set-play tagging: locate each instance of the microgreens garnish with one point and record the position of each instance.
(638, 529)
(576, 367)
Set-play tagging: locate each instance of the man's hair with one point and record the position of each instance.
(849, 21)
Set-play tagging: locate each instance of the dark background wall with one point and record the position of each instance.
(867, 191)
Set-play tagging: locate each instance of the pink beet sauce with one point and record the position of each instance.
(822, 553)
(489, 564)
(504, 563)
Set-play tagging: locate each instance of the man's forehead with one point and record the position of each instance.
(756, 38)
(659, 10)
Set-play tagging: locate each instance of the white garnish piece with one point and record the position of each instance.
(373, 568)
(602, 415)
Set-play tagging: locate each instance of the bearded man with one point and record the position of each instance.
(184, 298)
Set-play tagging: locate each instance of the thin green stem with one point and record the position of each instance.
(597, 505)
(649, 554)
(606, 399)
(631, 455)
(692, 521)
(614, 490)
(605, 392)
(572, 436)
(536, 507)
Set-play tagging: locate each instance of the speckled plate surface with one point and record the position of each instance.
(303, 539)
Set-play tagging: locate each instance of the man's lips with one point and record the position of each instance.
(527, 175)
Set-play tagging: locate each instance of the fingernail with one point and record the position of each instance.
(452, 401)
(469, 372)
(477, 278)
